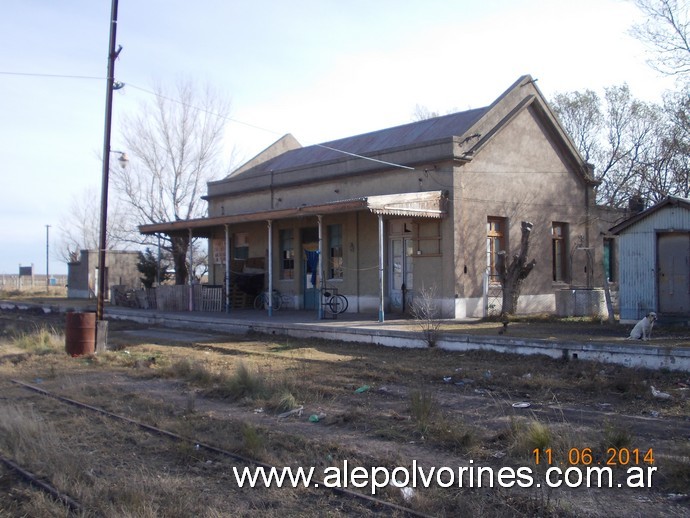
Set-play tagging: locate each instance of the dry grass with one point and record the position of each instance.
(228, 392)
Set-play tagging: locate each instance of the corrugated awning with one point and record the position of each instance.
(431, 204)
(413, 204)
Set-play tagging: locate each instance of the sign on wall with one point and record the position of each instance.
(218, 251)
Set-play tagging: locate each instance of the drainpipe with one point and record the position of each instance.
(381, 315)
(227, 268)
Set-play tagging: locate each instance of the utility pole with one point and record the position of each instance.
(101, 323)
(47, 258)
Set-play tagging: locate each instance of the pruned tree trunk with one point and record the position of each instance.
(180, 247)
(511, 276)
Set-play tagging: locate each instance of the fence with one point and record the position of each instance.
(30, 282)
(206, 297)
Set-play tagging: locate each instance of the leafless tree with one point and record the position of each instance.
(174, 145)
(511, 275)
(422, 112)
(665, 31)
(619, 136)
(581, 117)
(78, 228)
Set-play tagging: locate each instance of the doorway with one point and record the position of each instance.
(673, 260)
(311, 278)
(400, 253)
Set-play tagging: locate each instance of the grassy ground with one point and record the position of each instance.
(371, 406)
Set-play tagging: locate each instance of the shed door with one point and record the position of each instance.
(673, 251)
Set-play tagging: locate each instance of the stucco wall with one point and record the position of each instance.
(521, 176)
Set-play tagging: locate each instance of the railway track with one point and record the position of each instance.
(221, 459)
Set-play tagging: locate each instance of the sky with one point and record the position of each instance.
(318, 69)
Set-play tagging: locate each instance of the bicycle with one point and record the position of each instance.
(336, 302)
(261, 300)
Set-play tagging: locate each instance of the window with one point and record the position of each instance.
(495, 242)
(335, 251)
(559, 247)
(609, 259)
(287, 254)
(241, 245)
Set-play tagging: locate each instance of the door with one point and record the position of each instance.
(401, 277)
(310, 275)
(673, 259)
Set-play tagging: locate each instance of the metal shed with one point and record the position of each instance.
(654, 261)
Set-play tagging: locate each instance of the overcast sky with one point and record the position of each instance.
(317, 69)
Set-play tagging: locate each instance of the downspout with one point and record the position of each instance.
(381, 314)
(227, 268)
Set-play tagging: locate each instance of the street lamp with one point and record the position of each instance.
(110, 87)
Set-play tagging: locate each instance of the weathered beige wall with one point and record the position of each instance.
(519, 176)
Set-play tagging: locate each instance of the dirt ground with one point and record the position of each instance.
(368, 405)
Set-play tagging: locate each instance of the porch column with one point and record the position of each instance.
(190, 273)
(227, 268)
(158, 264)
(319, 268)
(269, 268)
(381, 315)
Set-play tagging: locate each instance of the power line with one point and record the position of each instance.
(224, 117)
(57, 76)
(230, 119)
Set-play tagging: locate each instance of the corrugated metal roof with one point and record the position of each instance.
(429, 130)
(668, 201)
(428, 204)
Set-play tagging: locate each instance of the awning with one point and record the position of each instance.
(430, 204)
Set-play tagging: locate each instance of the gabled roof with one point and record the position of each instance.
(367, 144)
(470, 130)
(669, 201)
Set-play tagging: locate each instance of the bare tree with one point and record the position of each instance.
(422, 112)
(175, 145)
(620, 137)
(677, 110)
(665, 31)
(511, 275)
(581, 117)
(79, 226)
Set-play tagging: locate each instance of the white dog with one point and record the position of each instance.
(643, 329)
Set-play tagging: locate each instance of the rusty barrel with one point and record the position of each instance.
(80, 333)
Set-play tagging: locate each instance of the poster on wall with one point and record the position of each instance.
(218, 251)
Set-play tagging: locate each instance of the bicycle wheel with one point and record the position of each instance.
(277, 300)
(334, 305)
(343, 303)
(260, 301)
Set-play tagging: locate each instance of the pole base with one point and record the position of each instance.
(101, 336)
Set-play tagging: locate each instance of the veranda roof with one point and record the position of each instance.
(429, 204)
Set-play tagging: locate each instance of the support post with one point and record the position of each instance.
(190, 274)
(110, 80)
(319, 268)
(269, 268)
(381, 289)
